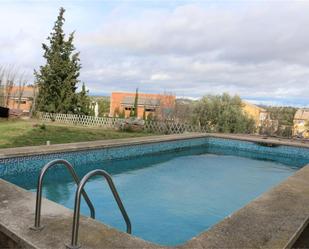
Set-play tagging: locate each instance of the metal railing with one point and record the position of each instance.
(38, 204)
(79, 190)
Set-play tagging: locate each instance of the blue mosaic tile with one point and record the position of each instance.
(297, 156)
(289, 155)
(34, 163)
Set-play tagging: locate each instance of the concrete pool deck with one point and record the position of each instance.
(47, 149)
(273, 220)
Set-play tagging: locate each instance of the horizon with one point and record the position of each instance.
(255, 49)
(262, 102)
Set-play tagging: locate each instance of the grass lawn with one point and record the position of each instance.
(17, 133)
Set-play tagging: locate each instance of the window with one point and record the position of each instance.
(150, 110)
(129, 108)
(23, 102)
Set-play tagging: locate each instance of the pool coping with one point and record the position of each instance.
(100, 144)
(269, 221)
(275, 219)
(224, 234)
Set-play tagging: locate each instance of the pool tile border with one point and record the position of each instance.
(58, 148)
(10, 165)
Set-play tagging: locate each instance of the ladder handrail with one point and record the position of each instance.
(38, 204)
(80, 188)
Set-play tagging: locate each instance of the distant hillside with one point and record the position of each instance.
(98, 98)
(184, 101)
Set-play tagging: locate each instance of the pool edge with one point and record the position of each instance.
(281, 212)
(101, 144)
(211, 237)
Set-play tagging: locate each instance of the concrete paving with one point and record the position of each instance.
(17, 215)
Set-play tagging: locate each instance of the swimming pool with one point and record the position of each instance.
(173, 191)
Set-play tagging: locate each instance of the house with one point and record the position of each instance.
(301, 123)
(20, 98)
(262, 118)
(154, 105)
(259, 114)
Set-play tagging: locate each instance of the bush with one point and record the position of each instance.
(42, 127)
(223, 113)
(131, 124)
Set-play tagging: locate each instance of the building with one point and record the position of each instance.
(301, 123)
(155, 105)
(20, 98)
(260, 115)
(262, 118)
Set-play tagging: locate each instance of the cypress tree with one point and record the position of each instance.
(135, 112)
(84, 102)
(58, 78)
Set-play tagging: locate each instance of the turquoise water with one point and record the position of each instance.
(170, 197)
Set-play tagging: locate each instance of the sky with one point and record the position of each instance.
(256, 49)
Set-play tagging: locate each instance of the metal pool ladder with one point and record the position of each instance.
(80, 190)
(37, 226)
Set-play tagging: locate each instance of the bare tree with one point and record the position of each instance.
(10, 77)
(167, 106)
(2, 74)
(184, 110)
(22, 81)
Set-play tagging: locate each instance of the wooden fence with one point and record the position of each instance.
(163, 127)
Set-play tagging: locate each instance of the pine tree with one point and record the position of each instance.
(58, 78)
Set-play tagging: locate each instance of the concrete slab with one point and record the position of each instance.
(17, 215)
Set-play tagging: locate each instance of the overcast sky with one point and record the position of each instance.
(257, 49)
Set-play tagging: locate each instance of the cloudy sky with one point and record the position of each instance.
(257, 49)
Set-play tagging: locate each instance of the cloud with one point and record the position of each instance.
(255, 49)
(160, 76)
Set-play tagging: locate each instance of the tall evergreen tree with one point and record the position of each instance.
(58, 78)
(84, 102)
(135, 107)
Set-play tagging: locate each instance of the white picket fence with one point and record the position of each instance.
(164, 127)
(81, 120)
(171, 127)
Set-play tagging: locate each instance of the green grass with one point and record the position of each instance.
(20, 133)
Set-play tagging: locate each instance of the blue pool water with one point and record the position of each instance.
(170, 197)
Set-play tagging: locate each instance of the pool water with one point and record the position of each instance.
(169, 197)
